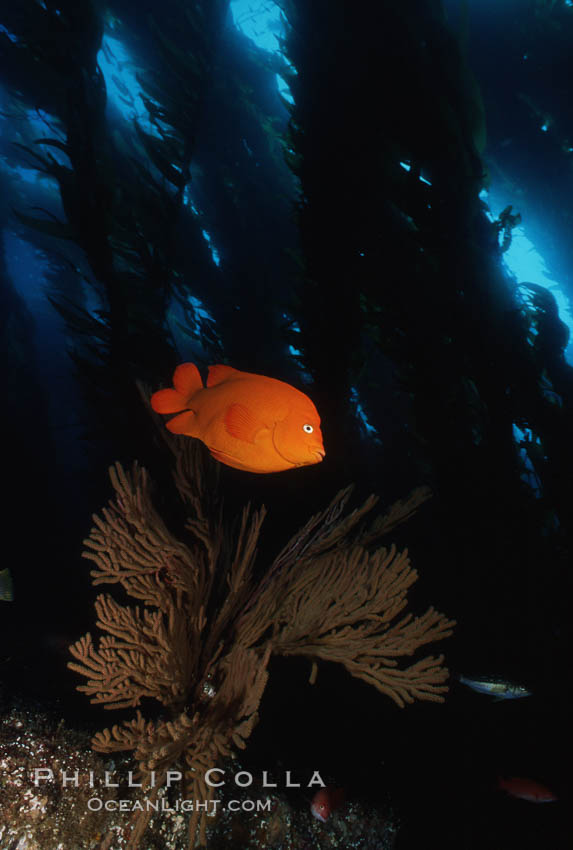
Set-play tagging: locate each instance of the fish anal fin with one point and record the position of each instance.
(241, 423)
(219, 373)
(185, 423)
(187, 380)
(226, 459)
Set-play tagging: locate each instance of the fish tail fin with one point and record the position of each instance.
(6, 586)
(184, 423)
(186, 382)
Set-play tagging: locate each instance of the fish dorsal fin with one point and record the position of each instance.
(187, 380)
(219, 373)
(241, 423)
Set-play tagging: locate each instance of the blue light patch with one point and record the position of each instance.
(39, 119)
(38, 122)
(215, 256)
(187, 200)
(529, 476)
(526, 263)
(361, 414)
(192, 328)
(294, 327)
(200, 311)
(124, 91)
(28, 175)
(264, 24)
(292, 324)
(284, 89)
(407, 167)
(13, 38)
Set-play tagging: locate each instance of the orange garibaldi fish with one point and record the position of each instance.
(247, 421)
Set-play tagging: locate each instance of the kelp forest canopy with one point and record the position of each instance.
(175, 204)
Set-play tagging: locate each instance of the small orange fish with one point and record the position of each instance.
(247, 421)
(325, 801)
(526, 789)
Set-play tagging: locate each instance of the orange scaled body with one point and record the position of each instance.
(247, 421)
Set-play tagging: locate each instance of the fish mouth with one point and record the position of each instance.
(317, 454)
(318, 815)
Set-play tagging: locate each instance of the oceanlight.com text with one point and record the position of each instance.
(211, 807)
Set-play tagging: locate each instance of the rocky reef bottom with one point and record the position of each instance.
(56, 794)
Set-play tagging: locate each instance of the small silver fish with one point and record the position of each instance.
(499, 688)
(6, 588)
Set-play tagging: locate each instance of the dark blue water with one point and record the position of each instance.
(306, 194)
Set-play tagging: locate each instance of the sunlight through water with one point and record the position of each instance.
(524, 261)
(264, 24)
(124, 91)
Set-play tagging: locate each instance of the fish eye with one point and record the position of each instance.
(308, 429)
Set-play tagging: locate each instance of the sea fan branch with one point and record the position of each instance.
(202, 636)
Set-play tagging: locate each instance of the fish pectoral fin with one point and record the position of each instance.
(219, 373)
(242, 424)
(185, 423)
